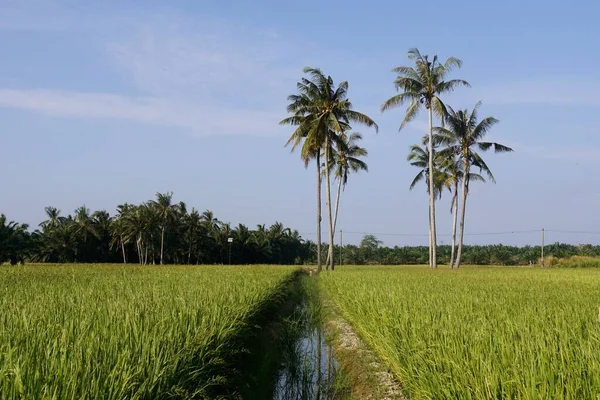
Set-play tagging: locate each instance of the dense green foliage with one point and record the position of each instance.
(14, 241)
(370, 251)
(478, 333)
(116, 332)
(193, 239)
(135, 235)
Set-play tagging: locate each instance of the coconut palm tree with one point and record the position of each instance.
(194, 230)
(165, 211)
(422, 85)
(117, 230)
(321, 113)
(346, 159)
(463, 132)
(453, 168)
(139, 223)
(211, 222)
(419, 157)
(54, 218)
(83, 227)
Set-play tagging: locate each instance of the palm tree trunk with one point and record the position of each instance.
(429, 236)
(328, 201)
(337, 207)
(454, 221)
(465, 191)
(123, 250)
(319, 267)
(433, 244)
(162, 244)
(139, 249)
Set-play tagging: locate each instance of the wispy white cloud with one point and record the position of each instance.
(201, 119)
(171, 57)
(206, 76)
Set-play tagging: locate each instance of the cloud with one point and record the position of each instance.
(150, 110)
(173, 59)
(208, 76)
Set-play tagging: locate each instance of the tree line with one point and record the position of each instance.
(135, 233)
(449, 153)
(371, 251)
(158, 231)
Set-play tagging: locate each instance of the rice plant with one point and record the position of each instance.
(115, 332)
(478, 333)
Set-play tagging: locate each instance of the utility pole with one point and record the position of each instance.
(341, 245)
(230, 240)
(543, 234)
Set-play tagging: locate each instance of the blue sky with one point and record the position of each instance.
(103, 103)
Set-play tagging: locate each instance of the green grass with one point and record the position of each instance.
(115, 332)
(478, 333)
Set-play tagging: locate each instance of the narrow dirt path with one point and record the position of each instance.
(370, 378)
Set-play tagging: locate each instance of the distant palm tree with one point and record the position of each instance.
(84, 224)
(117, 229)
(139, 223)
(242, 240)
(419, 86)
(346, 159)
(54, 218)
(194, 230)
(322, 113)
(101, 220)
(210, 221)
(165, 211)
(463, 132)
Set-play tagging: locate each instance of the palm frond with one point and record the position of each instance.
(417, 179)
(399, 99)
(411, 113)
(478, 162)
(482, 128)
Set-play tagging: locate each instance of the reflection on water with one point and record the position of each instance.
(308, 369)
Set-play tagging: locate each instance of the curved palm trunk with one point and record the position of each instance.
(465, 191)
(319, 267)
(140, 246)
(331, 262)
(337, 207)
(454, 221)
(433, 243)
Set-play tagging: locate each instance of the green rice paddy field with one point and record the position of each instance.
(124, 332)
(116, 332)
(478, 333)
